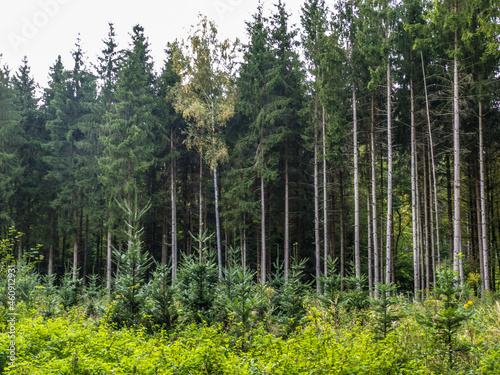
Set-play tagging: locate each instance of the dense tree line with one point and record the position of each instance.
(368, 135)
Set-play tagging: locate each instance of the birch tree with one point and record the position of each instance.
(205, 97)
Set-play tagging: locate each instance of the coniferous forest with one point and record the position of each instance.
(323, 198)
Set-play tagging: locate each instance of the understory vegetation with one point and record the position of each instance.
(201, 324)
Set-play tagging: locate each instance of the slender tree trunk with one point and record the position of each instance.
(200, 209)
(357, 261)
(342, 232)
(433, 254)
(316, 215)
(484, 235)
(108, 257)
(50, 270)
(325, 196)
(369, 242)
(164, 239)
(217, 224)
(75, 256)
(450, 208)
(85, 248)
(389, 175)
(457, 230)
(376, 255)
(434, 180)
(263, 233)
(173, 199)
(287, 221)
(426, 225)
(479, 235)
(414, 208)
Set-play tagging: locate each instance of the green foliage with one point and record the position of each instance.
(289, 296)
(129, 285)
(197, 284)
(69, 290)
(160, 306)
(447, 313)
(384, 310)
(238, 291)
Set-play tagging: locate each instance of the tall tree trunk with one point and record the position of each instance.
(108, 256)
(434, 180)
(357, 262)
(479, 234)
(263, 233)
(75, 256)
(369, 242)
(342, 232)
(173, 199)
(217, 224)
(484, 235)
(457, 230)
(85, 248)
(325, 196)
(376, 256)
(287, 221)
(50, 270)
(200, 209)
(426, 224)
(450, 207)
(414, 208)
(316, 215)
(389, 175)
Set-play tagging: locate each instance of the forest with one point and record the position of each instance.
(328, 181)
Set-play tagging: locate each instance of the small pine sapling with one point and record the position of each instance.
(383, 307)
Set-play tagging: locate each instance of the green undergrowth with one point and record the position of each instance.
(73, 343)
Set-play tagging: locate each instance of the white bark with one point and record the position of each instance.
(357, 261)
(457, 230)
(316, 215)
(389, 176)
(376, 255)
(482, 188)
(414, 209)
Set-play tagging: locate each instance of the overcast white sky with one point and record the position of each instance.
(44, 29)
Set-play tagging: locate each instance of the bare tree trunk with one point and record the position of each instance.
(75, 256)
(457, 230)
(450, 208)
(369, 242)
(217, 224)
(376, 256)
(434, 180)
(433, 254)
(287, 221)
(263, 233)
(479, 235)
(108, 257)
(426, 226)
(484, 236)
(389, 175)
(342, 232)
(173, 198)
(85, 248)
(357, 261)
(325, 196)
(414, 199)
(200, 201)
(316, 215)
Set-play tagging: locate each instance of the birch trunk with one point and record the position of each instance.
(217, 224)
